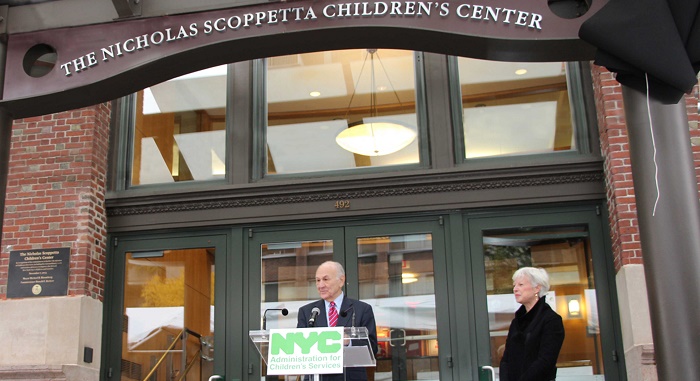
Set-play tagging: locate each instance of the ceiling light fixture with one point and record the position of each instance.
(521, 72)
(409, 278)
(375, 136)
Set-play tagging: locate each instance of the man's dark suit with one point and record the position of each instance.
(364, 317)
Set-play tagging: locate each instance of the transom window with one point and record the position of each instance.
(341, 110)
(180, 129)
(514, 109)
(348, 111)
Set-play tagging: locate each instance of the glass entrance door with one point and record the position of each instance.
(396, 268)
(167, 309)
(392, 267)
(565, 245)
(283, 263)
(440, 289)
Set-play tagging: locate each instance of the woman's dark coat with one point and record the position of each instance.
(533, 345)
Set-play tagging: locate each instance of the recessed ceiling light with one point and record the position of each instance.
(315, 94)
(520, 72)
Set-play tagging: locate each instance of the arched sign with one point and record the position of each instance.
(97, 63)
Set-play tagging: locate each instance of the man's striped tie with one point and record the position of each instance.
(332, 315)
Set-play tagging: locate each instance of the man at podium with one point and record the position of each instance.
(334, 309)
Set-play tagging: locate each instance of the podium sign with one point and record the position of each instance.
(305, 351)
(313, 350)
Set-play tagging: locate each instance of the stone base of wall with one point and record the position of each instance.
(45, 338)
(33, 372)
(48, 373)
(641, 363)
(636, 324)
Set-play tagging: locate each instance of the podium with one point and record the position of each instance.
(357, 354)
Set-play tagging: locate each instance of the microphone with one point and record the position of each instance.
(344, 313)
(314, 314)
(284, 313)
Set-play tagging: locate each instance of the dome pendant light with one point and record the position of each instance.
(375, 136)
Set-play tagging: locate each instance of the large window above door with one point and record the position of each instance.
(517, 109)
(350, 112)
(341, 110)
(179, 129)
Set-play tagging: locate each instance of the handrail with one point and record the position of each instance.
(179, 335)
(193, 333)
(189, 366)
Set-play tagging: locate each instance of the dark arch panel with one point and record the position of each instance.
(98, 63)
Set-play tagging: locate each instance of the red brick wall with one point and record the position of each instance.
(694, 122)
(615, 148)
(55, 193)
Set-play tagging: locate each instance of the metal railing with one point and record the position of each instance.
(185, 366)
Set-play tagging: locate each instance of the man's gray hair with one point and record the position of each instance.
(338, 267)
(537, 277)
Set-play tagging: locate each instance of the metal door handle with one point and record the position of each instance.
(402, 338)
(215, 377)
(493, 372)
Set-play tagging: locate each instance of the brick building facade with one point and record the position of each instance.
(70, 185)
(56, 197)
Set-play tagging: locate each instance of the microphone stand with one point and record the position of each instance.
(353, 332)
(283, 310)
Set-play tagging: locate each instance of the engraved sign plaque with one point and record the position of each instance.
(38, 272)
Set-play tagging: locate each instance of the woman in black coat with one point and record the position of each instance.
(535, 335)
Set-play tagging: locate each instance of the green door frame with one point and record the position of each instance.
(586, 215)
(114, 290)
(435, 226)
(348, 232)
(252, 277)
(457, 247)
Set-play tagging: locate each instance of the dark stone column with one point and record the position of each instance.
(5, 139)
(5, 118)
(668, 213)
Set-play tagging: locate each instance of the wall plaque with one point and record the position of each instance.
(38, 272)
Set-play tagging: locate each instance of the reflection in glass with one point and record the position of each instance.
(314, 97)
(179, 133)
(515, 108)
(565, 253)
(397, 278)
(288, 280)
(168, 318)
